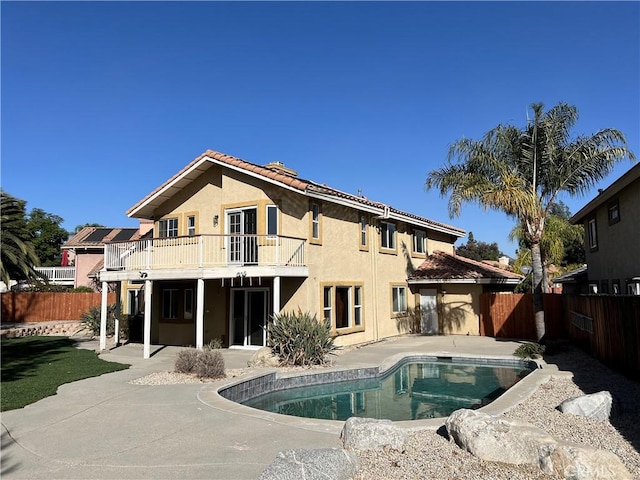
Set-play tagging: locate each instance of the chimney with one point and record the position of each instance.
(279, 167)
(145, 226)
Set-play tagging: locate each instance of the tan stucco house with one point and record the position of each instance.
(234, 243)
(612, 236)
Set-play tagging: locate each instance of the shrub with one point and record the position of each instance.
(205, 363)
(91, 319)
(300, 339)
(186, 360)
(82, 289)
(215, 344)
(209, 364)
(529, 350)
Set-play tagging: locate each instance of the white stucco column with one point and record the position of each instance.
(103, 316)
(118, 314)
(148, 285)
(276, 295)
(200, 314)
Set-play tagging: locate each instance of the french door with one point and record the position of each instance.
(242, 226)
(249, 311)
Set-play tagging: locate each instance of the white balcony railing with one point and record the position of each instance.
(58, 275)
(205, 251)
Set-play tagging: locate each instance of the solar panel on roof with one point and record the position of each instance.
(98, 235)
(124, 235)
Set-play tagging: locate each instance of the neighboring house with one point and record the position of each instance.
(85, 250)
(574, 282)
(235, 243)
(449, 288)
(612, 236)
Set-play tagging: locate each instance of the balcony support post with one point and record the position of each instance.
(276, 295)
(103, 316)
(146, 351)
(200, 314)
(118, 314)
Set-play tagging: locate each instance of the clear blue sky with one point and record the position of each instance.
(103, 102)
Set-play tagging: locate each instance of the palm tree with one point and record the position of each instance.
(18, 257)
(521, 171)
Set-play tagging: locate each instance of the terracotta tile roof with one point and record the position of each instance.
(443, 266)
(98, 236)
(196, 167)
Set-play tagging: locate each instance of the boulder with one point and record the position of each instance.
(578, 462)
(596, 406)
(320, 464)
(264, 357)
(496, 439)
(509, 441)
(369, 434)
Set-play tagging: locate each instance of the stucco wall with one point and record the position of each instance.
(459, 309)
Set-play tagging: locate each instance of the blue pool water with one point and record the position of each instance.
(411, 391)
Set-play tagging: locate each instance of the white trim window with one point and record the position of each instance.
(399, 299)
(170, 303)
(342, 306)
(168, 227)
(419, 241)
(388, 235)
(191, 225)
(593, 233)
(188, 304)
(315, 221)
(363, 231)
(272, 220)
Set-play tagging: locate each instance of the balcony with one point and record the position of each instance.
(58, 275)
(206, 256)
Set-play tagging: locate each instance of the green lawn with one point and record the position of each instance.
(34, 367)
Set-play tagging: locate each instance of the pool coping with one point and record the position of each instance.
(210, 395)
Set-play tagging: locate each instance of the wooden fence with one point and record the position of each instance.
(511, 316)
(27, 307)
(607, 326)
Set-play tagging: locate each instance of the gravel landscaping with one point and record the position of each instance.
(430, 455)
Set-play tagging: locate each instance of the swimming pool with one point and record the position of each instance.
(413, 389)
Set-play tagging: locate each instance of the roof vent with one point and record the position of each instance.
(279, 167)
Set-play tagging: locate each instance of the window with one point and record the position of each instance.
(188, 304)
(399, 299)
(168, 227)
(272, 219)
(388, 235)
(342, 306)
(315, 221)
(615, 287)
(592, 232)
(357, 306)
(614, 212)
(593, 288)
(363, 232)
(191, 225)
(604, 286)
(134, 304)
(170, 303)
(419, 241)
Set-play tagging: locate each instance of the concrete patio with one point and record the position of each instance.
(108, 428)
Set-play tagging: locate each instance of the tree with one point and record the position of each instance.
(47, 236)
(80, 227)
(521, 171)
(479, 251)
(17, 255)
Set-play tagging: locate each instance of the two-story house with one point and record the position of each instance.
(235, 243)
(612, 236)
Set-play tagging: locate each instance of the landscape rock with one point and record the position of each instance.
(596, 406)
(576, 462)
(320, 464)
(369, 434)
(264, 357)
(496, 439)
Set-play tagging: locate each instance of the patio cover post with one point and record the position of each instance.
(200, 314)
(147, 319)
(118, 314)
(103, 316)
(276, 295)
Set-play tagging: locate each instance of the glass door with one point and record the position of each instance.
(249, 307)
(242, 227)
